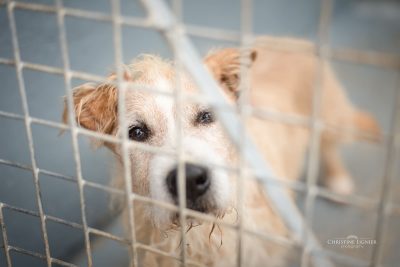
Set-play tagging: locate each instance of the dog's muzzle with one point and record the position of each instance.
(197, 184)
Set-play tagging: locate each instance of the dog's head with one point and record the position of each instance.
(152, 119)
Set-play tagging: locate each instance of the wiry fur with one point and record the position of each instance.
(280, 81)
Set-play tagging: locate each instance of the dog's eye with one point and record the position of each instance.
(205, 117)
(139, 133)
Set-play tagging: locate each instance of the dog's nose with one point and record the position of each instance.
(197, 181)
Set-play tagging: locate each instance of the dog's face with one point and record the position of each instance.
(153, 119)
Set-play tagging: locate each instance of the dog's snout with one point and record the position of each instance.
(197, 181)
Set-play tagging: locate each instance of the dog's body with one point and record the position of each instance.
(279, 81)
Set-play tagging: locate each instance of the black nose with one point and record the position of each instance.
(197, 181)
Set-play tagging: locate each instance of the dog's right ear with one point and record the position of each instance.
(224, 65)
(95, 107)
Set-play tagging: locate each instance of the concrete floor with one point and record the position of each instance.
(369, 25)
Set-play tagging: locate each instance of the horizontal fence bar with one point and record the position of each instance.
(190, 213)
(65, 222)
(40, 256)
(293, 185)
(53, 70)
(261, 113)
(380, 59)
(28, 126)
(359, 201)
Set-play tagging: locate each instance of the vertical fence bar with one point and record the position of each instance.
(246, 37)
(390, 169)
(72, 124)
(312, 167)
(162, 18)
(27, 120)
(316, 127)
(5, 239)
(180, 161)
(176, 31)
(122, 88)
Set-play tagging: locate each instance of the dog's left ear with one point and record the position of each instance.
(95, 107)
(224, 64)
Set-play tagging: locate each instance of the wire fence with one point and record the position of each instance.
(175, 32)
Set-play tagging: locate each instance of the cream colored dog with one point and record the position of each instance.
(280, 81)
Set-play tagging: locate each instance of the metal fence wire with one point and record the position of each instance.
(168, 22)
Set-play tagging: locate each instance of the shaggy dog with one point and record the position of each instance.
(280, 81)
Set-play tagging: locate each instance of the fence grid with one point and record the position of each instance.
(312, 168)
(174, 31)
(22, 92)
(73, 127)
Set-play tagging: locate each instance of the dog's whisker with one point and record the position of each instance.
(212, 230)
(190, 227)
(220, 231)
(237, 214)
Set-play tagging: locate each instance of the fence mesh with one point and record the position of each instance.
(170, 24)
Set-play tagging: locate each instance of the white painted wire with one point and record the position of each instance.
(27, 120)
(161, 19)
(122, 89)
(180, 157)
(243, 101)
(312, 169)
(73, 126)
(390, 174)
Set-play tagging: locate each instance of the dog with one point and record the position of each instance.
(281, 81)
